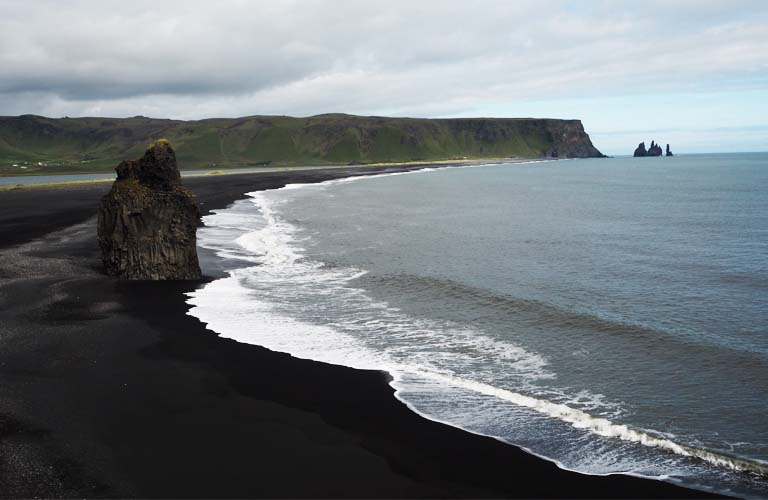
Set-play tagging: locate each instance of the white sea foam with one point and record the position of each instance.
(231, 310)
(600, 426)
(289, 303)
(236, 312)
(328, 294)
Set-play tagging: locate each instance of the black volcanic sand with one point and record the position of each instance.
(108, 389)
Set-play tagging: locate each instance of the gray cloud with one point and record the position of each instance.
(427, 58)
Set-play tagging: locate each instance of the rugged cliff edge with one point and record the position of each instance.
(91, 144)
(148, 221)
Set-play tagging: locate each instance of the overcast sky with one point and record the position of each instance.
(690, 72)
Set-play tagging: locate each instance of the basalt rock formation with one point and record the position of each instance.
(653, 150)
(148, 221)
(669, 152)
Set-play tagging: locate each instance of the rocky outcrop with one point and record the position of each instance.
(148, 221)
(653, 150)
(669, 152)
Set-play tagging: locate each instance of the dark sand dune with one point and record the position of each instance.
(109, 389)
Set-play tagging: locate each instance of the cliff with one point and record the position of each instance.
(94, 144)
(147, 222)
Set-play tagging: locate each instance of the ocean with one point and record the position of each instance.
(610, 315)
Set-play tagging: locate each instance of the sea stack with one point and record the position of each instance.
(148, 221)
(669, 153)
(654, 150)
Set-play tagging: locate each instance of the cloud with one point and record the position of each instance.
(419, 58)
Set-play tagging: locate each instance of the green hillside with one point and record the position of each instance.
(70, 145)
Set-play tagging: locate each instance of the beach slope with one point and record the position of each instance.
(110, 389)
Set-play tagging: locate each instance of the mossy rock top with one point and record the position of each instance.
(157, 169)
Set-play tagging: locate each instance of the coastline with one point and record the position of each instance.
(112, 390)
(216, 171)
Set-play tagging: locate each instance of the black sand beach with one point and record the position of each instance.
(110, 390)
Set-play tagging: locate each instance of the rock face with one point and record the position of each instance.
(654, 150)
(669, 152)
(148, 221)
(568, 139)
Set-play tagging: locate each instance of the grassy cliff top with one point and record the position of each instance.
(78, 145)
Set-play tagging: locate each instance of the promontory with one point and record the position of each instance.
(70, 145)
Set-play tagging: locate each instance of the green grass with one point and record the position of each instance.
(159, 142)
(87, 145)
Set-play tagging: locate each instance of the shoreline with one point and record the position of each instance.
(216, 171)
(714, 458)
(113, 390)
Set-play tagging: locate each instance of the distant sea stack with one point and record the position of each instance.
(669, 152)
(653, 150)
(148, 221)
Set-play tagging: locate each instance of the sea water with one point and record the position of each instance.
(610, 315)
